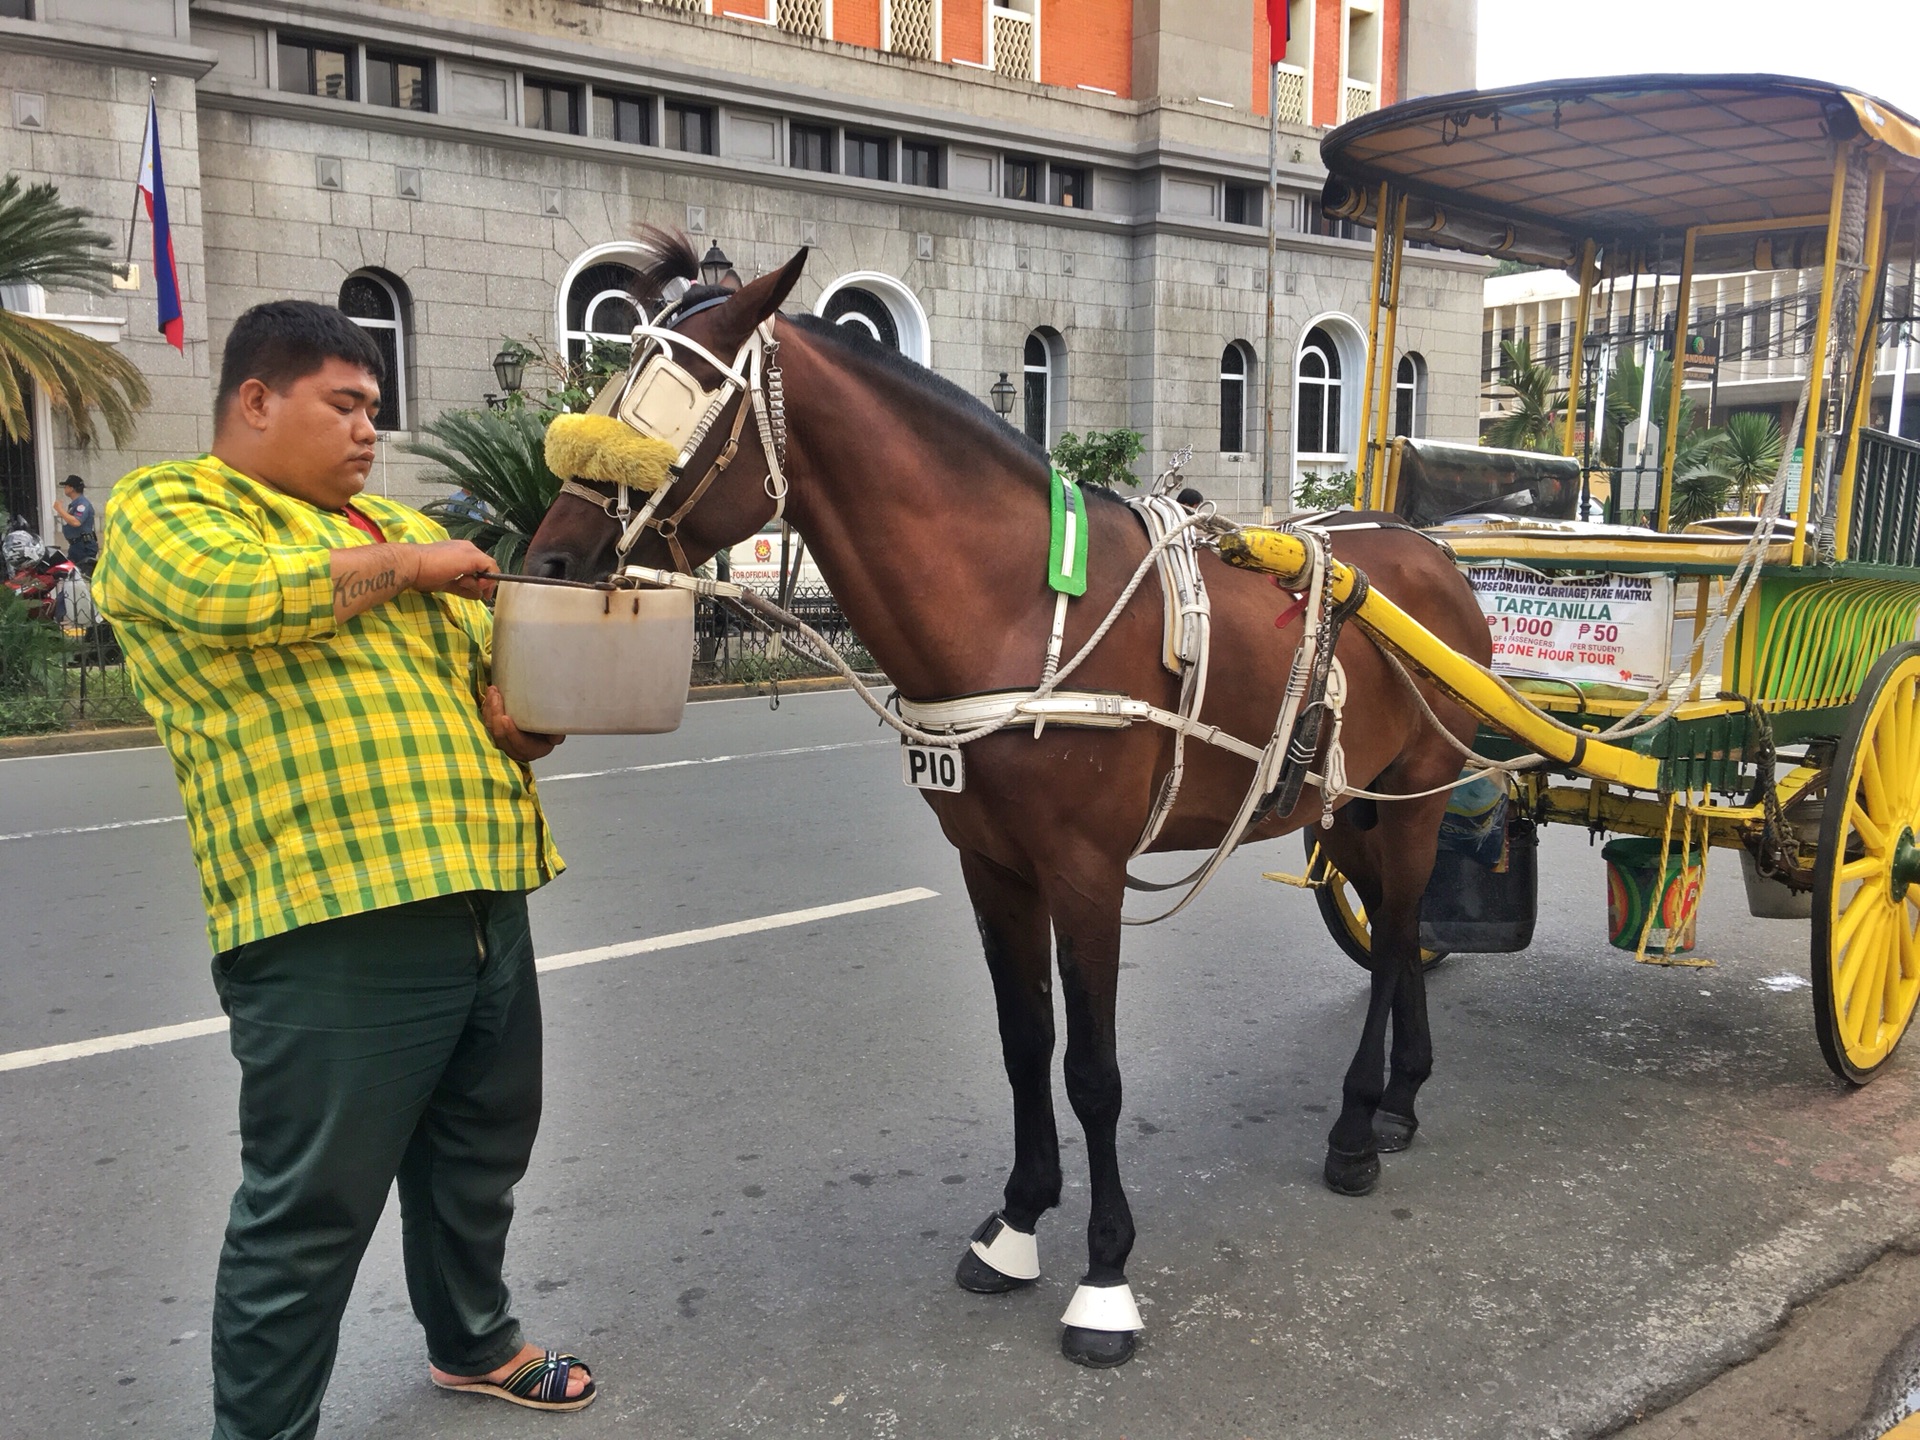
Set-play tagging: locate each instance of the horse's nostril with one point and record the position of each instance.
(553, 567)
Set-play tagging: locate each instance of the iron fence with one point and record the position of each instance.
(730, 648)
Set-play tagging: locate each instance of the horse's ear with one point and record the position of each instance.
(758, 301)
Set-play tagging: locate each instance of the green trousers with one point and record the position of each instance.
(404, 1043)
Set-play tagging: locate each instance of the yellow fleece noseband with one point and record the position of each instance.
(599, 447)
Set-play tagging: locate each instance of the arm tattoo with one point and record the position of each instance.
(350, 587)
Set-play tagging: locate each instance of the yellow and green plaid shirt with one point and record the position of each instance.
(327, 770)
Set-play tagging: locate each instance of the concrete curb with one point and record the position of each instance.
(122, 737)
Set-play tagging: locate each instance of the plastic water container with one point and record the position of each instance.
(572, 660)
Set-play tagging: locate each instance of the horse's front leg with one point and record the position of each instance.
(1014, 933)
(1101, 1320)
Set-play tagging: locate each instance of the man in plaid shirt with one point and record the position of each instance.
(366, 830)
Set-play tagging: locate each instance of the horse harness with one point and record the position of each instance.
(661, 398)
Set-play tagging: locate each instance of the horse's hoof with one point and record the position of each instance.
(1351, 1174)
(982, 1279)
(1096, 1349)
(1393, 1133)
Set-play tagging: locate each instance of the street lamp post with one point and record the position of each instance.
(1002, 393)
(715, 266)
(510, 369)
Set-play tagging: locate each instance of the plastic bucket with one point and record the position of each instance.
(574, 660)
(1635, 885)
(1771, 899)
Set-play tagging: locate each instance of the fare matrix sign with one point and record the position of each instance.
(1617, 629)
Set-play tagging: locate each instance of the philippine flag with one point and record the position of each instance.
(153, 189)
(1279, 29)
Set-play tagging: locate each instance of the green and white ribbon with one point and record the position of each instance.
(1067, 551)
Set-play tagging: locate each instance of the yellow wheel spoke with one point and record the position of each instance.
(1863, 996)
(1873, 789)
(1909, 946)
(1871, 834)
(1865, 904)
(1889, 757)
(1867, 867)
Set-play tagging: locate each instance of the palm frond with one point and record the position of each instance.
(1533, 420)
(43, 242)
(79, 375)
(499, 458)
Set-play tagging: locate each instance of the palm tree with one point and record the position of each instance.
(499, 458)
(1533, 423)
(43, 242)
(1750, 446)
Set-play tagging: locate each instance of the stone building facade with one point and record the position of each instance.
(1067, 191)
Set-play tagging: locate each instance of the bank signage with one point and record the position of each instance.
(1616, 629)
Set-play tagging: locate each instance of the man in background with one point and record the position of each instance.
(77, 524)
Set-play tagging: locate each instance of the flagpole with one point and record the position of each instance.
(1266, 356)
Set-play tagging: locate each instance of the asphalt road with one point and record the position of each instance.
(762, 1154)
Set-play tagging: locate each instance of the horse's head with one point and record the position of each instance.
(694, 384)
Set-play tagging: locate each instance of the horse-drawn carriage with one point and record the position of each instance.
(1803, 657)
(1362, 671)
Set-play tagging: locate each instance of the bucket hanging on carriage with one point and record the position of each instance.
(1636, 884)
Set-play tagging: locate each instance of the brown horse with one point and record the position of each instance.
(928, 518)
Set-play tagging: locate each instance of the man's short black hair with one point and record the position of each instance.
(282, 341)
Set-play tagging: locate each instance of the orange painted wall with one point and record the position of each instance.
(1087, 42)
(1390, 53)
(1327, 19)
(857, 22)
(1261, 40)
(962, 30)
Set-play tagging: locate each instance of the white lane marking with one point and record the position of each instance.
(217, 1024)
(736, 927)
(89, 829)
(544, 780)
(707, 760)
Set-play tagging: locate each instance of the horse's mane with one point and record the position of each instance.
(669, 255)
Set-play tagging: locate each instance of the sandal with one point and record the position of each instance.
(540, 1384)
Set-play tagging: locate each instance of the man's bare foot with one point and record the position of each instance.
(577, 1381)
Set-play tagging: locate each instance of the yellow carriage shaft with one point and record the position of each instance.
(1283, 554)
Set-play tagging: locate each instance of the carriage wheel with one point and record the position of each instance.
(1866, 904)
(1344, 914)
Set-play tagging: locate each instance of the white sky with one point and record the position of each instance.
(1870, 45)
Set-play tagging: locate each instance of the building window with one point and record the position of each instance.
(1317, 396)
(1068, 186)
(601, 307)
(373, 302)
(551, 106)
(1235, 368)
(1020, 179)
(1044, 362)
(912, 28)
(810, 147)
(689, 128)
(1410, 396)
(1242, 205)
(626, 118)
(16, 10)
(920, 164)
(870, 156)
(866, 312)
(316, 67)
(403, 82)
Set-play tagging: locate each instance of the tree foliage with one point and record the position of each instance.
(1538, 405)
(498, 457)
(1100, 457)
(46, 243)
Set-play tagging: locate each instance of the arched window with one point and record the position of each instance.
(880, 307)
(600, 306)
(1410, 395)
(1044, 361)
(1317, 396)
(1236, 374)
(375, 302)
(865, 312)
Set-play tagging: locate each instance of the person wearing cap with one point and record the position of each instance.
(77, 524)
